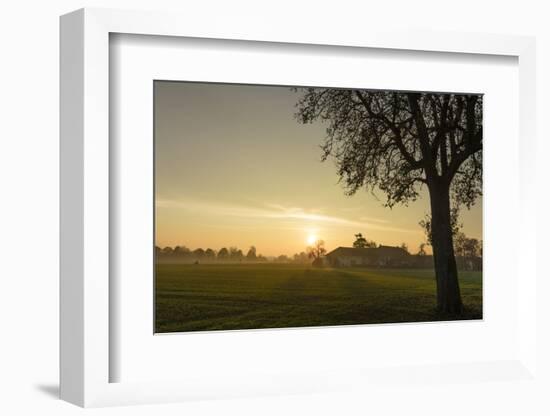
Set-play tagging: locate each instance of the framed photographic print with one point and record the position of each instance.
(266, 214)
(291, 242)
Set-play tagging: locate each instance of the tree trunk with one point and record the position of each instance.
(449, 300)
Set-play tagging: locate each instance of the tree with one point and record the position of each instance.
(405, 247)
(181, 251)
(167, 251)
(456, 226)
(421, 250)
(316, 251)
(301, 257)
(251, 255)
(399, 142)
(198, 253)
(223, 254)
(472, 248)
(209, 253)
(459, 240)
(362, 242)
(235, 253)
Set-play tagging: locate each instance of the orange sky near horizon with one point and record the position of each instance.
(234, 168)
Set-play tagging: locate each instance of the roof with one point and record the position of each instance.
(368, 252)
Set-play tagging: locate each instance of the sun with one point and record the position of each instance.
(311, 239)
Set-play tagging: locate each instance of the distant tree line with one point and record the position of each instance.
(184, 254)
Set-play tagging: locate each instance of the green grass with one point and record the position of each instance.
(243, 296)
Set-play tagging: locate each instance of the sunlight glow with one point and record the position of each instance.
(311, 239)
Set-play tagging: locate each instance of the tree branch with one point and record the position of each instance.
(462, 156)
(396, 138)
(428, 162)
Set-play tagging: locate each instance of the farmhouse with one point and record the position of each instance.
(382, 256)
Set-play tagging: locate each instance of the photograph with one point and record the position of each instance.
(301, 206)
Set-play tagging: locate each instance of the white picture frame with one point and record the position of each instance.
(85, 206)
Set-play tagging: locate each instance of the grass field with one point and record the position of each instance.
(242, 296)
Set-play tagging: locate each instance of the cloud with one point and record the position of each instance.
(280, 212)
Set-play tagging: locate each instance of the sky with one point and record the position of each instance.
(233, 167)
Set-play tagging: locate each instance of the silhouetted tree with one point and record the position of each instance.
(209, 253)
(466, 249)
(459, 240)
(223, 254)
(456, 226)
(181, 251)
(198, 253)
(398, 142)
(235, 253)
(421, 250)
(362, 242)
(472, 248)
(282, 258)
(301, 257)
(251, 255)
(316, 252)
(405, 247)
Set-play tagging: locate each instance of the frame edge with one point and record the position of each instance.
(83, 286)
(71, 221)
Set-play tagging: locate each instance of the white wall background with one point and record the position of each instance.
(29, 205)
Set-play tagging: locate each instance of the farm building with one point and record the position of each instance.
(382, 256)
